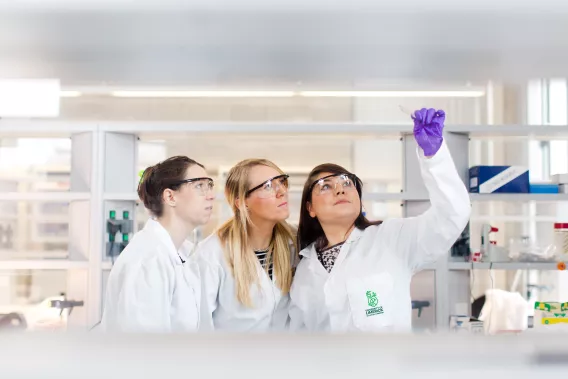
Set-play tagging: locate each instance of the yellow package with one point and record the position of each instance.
(550, 313)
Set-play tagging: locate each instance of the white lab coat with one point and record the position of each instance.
(368, 288)
(149, 288)
(221, 308)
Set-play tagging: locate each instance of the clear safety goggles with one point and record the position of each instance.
(270, 187)
(202, 186)
(333, 184)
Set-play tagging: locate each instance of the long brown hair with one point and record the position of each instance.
(309, 229)
(234, 238)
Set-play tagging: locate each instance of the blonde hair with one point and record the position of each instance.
(234, 238)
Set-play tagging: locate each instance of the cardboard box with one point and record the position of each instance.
(499, 179)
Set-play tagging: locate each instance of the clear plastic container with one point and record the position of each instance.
(561, 240)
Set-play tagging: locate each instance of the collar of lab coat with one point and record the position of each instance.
(355, 235)
(154, 227)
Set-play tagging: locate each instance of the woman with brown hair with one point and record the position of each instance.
(354, 274)
(154, 286)
(247, 265)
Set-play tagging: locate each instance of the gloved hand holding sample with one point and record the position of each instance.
(428, 128)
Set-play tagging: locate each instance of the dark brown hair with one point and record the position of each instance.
(155, 179)
(309, 229)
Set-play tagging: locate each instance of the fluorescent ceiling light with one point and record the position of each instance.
(70, 93)
(181, 94)
(29, 97)
(264, 94)
(392, 93)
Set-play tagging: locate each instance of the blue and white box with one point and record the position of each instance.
(499, 179)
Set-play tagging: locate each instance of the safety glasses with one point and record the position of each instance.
(270, 187)
(203, 186)
(334, 183)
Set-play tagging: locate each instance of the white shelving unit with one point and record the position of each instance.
(502, 265)
(104, 174)
(75, 262)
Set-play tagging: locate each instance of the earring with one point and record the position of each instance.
(363, 212)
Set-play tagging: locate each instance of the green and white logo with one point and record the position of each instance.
(372, 299)
(373, 302)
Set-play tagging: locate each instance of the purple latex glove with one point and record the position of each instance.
(428, 126)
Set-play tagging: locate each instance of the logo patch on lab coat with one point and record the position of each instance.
(373, 302)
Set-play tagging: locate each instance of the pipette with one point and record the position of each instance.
(407, 111)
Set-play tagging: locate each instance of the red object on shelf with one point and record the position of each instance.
(476, 257)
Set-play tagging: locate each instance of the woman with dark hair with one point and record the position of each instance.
(355, 274)
(154, 286)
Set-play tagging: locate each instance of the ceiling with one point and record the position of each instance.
(553, 6)
(328, 43)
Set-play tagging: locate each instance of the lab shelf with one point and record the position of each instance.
(133, 196)
(519, 197)
(525, 131)
(43, 264)
(50, 128)
(516, 218)
(502, 265)
(45, 128)
(44, 196)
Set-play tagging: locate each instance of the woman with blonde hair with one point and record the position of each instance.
(247, 264)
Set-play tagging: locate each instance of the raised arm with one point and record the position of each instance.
(426, 238)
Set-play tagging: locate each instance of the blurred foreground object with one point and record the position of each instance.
(111, 356)
(504, 312)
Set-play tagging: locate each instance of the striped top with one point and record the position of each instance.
(261, 255)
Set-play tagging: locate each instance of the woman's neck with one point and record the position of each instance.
(260, 234)
(178, 230)
(335, 233)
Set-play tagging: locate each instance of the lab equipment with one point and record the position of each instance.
(13, 321)
(420, 304)
(461, 247)
(66, 304)
(466, 324)
(561, 238)
(114, 227)
(428, 129)
(486, 246)
(499, 179)
(524, 250)
(48, 314)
